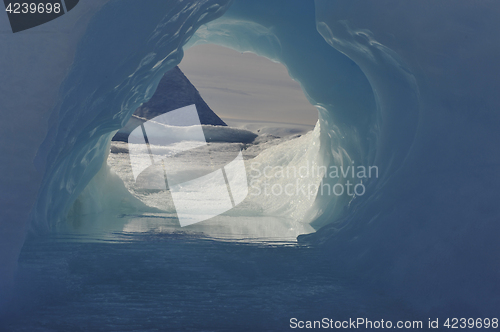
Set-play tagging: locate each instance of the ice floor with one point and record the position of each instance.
(258, 218)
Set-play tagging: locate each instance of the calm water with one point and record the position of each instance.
(177, 282)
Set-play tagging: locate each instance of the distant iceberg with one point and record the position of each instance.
(174, 91)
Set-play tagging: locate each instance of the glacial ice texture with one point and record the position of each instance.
(64, 93)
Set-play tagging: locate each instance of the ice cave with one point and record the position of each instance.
(409, 89)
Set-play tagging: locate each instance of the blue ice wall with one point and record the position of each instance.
(429, 232)
(64, 92)
(412, 89)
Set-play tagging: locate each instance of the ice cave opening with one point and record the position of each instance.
(265, 109)
(360, 126)
(317, 171)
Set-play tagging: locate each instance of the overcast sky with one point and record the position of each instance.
(246, 86)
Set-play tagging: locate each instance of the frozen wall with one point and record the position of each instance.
(428, 233)
(415, 95)
(65, 87)
(33, 66)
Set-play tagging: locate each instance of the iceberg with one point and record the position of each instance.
(411, 88)
(173, 91)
